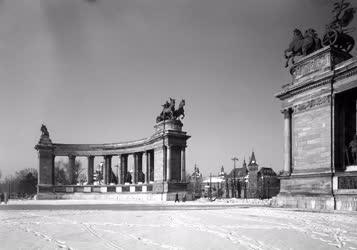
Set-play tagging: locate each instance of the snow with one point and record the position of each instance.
(193, 225)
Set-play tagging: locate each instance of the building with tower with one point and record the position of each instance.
(249, 181)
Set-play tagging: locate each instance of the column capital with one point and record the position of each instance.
(287, 112)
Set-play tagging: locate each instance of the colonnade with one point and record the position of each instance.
(143, 167)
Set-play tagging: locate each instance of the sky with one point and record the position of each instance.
(98, 72)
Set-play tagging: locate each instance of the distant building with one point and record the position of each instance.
(251, 182)
(215, 185)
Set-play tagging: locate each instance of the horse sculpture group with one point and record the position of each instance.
(302, 45)
(170, 113)
(336, 34)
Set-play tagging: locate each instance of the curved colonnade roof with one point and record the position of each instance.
(128, 147)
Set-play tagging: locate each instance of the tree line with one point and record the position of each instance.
(24, 182)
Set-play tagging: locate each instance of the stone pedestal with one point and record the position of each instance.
(312, 130)
(46, 170)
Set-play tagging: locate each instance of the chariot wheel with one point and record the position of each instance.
(330, 38)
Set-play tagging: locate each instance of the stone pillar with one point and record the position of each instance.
(119, 173)
(183, 164)
(107, 168)
(148, 166)
(139, 165)
(53, 170)
(46, 168)
(123, 167)
(72, 164)
(168, 163)
(135, 169)
(164, 162)
(287, 141)
(144, 166)
(90, 170)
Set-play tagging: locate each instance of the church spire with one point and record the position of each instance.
(252, 160)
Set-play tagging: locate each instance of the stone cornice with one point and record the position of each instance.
(129, 147)
(319, 101)
(346, 69)
(294, 89)
(318, 69)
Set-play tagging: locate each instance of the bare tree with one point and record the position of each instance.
(62, 171)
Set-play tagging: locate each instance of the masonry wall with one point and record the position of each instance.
(158, 164)
(176, 163)
(312, 140)
(46, 167)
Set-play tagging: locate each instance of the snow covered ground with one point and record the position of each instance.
(173, 226)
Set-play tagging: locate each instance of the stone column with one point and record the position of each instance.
(139, 164)
(136, 168)
(123, 167)
(90, 170)
(164, 163)
(183, 164)
(107, 168)
(287, 141)
(53, 170)
(46, 168)
(148, 166)
(144, 166)
(168, 163)
(72, 164)
(119, 173)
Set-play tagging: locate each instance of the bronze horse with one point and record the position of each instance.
(180, 111)
(168, 111)
(302, 45)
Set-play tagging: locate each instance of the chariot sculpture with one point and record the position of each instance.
(336, 34)
(170, 113)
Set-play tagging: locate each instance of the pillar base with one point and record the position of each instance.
(323, 202)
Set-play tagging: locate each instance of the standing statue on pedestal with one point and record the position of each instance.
(170, 113)
(44, 131)
(353, 147)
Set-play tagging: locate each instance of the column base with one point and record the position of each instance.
(324, 202)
